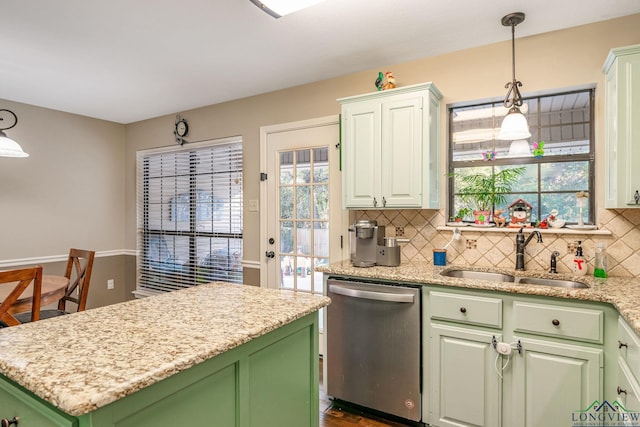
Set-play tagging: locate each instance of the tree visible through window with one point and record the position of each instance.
(189, 216)
(558, 164)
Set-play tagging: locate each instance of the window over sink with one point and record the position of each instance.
(558, 158)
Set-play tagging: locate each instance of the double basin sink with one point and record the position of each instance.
(502, 277)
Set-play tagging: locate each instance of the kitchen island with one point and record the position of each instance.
(219, 353)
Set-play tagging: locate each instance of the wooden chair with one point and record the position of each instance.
(24, 277)
(79, 266)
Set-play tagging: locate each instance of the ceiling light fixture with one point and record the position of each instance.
(514, 126)
(279, 8)
(8, 147)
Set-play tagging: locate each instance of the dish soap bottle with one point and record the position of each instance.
(600, 268)
(579, 263)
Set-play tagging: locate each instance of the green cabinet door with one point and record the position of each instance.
(551, 381)
(465, 386)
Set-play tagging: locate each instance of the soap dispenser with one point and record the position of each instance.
(579, 263)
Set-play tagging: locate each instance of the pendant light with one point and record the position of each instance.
(8, 147)
(514, 125)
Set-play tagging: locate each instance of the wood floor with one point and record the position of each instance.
(334, 416)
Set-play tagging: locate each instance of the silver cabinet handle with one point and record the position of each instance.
(375, 202)
(371, 295)
(384, 202)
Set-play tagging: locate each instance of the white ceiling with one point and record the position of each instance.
(129, 60)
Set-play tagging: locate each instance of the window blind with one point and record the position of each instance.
(189, 216)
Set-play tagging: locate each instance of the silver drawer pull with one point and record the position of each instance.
(6, 422)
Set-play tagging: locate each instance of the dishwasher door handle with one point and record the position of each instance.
(371, 295)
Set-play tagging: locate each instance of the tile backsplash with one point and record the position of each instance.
(498, 248)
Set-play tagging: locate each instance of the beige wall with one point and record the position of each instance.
(554, 60)
(69, 192)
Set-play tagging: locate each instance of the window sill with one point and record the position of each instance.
(515, 230)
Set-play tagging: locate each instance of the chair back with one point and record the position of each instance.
(23, 277)
(78, 272)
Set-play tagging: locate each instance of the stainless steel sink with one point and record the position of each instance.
(479, 275)
(551, 282)
(502, 277)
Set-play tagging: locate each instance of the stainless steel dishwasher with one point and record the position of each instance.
(374, 346)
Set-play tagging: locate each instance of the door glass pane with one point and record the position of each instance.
(303, 166)
(303, 202)
(321, 202)
(286, 167)
(286, 237)
(286, 202)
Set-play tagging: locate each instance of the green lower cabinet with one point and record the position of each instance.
(465, 387)
(271, 381)
(550, 381)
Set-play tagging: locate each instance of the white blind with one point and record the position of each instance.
(189, 216)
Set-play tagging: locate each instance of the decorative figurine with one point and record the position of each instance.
(498, 219)
(391, 81)
(554, 219)
(538, 151)
(488, 155)
(520, 214)
(379, 80)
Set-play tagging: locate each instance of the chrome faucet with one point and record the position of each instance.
(521, 243)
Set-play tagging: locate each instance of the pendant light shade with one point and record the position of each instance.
(279, 8)
(8, 147)
(514, 125)
(520, 148)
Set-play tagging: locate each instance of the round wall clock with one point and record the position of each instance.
(182, 128)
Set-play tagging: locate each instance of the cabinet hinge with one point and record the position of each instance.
(263, 176)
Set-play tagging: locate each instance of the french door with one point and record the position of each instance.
(303, 219)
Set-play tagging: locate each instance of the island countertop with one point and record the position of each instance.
(623, 293)
(86, 360)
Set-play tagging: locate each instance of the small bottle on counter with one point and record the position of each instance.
(579, 263)
(600, 267)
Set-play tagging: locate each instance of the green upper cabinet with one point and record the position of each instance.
(390, 148)
(622, 127)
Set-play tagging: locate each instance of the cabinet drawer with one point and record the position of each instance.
(466, 309)
(629, 347)
(565, 322)
(627, 387)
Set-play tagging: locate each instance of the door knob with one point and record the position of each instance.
(270, 254)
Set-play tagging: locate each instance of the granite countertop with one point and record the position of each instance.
(622, 293)
(87, 360)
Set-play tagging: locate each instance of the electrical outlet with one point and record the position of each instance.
(253, 206)
(111, 284)
(472, 244)
(399, 231)
(571, 248)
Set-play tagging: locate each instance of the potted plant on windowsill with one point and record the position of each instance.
(485, 192)
(462, 212)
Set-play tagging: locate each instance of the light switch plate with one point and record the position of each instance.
(253, 206)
